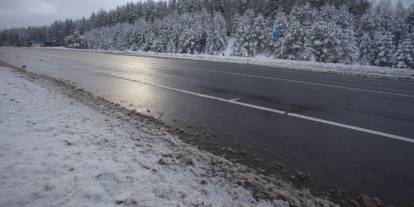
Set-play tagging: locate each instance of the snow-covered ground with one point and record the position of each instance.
(261, 60)
(61, 146)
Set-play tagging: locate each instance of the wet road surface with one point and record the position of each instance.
(351, 135)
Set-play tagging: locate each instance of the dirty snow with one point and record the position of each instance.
(61, 148)
(261, 60)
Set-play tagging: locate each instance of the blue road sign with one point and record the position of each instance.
(277, 34)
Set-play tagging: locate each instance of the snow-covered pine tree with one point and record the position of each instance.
(279, 24)
(322, 33)
(295, 42)
(309, 52)
(120, 36)
(261, 33)
(253, 34)
(246, 41)
(148, 35)
(366, 48)
(162, 33)
(94, 38)
(399, 26)
(192, 35)
(175, 30)
(384, 10)
(404, 57)
(383, 49)
(216, 35)
(410, 18)
(346, 49)
(368, 26)
(76, 40)
(142, 34)
(320, 42)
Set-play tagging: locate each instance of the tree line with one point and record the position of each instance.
(337, 31)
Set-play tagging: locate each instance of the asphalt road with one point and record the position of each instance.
(352, 135)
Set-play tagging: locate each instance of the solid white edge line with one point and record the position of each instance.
(317, 84)
(262, 108)
(269, 78)
(306, 82)
(369, 131)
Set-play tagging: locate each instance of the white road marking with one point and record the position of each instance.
(305, 82)
(369, 131)
(235, 99)
(262, 108)
(302, 82)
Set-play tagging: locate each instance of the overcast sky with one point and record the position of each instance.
(17, 13)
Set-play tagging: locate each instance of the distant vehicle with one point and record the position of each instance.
(52, 44)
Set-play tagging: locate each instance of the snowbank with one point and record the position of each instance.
(355, 70)
(60, 146)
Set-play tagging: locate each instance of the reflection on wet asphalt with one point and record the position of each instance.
(356, 162)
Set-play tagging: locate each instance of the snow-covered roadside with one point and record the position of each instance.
(60, 146)
(260, 60)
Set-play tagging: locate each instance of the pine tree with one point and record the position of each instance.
(295, 42)
(366, 50)
(317, 30)
(331, 37)
(320, 42)
(245, 33)
(383, 49)
(260, 33)
(399, 26)
(163, 31)
(216, 35)
(192, 39)
(76, 40)
(404, 57)
(410, 18)
(280, 25)
(368, 27)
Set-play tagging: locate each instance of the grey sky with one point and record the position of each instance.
(17, 13)
(14, 13)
